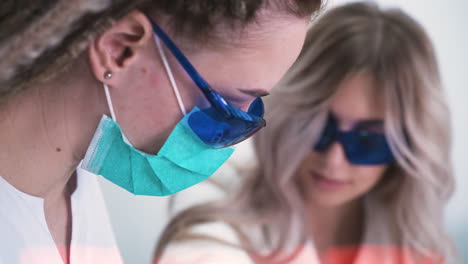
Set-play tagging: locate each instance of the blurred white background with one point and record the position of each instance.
(138, 221)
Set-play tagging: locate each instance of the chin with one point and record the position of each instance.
(329, 200)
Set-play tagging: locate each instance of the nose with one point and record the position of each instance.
(335, 156)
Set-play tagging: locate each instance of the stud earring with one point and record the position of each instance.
(107, 75)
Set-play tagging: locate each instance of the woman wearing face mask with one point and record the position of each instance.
(113, 83)
(354, 166)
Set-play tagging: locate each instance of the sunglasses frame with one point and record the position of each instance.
(227, 110)
(343, 138)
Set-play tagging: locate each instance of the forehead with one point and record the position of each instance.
(358, 99)
(259, 58)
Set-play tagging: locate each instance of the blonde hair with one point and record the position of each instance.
(353, 38)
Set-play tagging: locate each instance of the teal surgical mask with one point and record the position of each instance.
(183, 161)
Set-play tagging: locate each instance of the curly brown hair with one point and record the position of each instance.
(39, 38)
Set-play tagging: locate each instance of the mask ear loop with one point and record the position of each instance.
(111, 109)
(170, 75)
(109, 102)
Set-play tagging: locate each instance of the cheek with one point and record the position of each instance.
(311, 162)
(366, 177)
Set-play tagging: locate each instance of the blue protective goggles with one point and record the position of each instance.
(361, 147)
(222, 124)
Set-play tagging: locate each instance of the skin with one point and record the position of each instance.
(335, 187)
(45, 131)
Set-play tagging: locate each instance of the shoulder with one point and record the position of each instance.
(207, 251)
(383, 238)
(11, 243)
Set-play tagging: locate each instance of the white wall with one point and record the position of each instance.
(139, 220)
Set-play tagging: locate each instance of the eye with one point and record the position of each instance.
(367, 139)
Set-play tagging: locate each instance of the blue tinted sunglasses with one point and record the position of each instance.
(222, 124)
(361, 147)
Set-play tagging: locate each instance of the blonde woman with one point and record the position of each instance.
(355, 165)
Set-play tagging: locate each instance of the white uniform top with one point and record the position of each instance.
(25, 236)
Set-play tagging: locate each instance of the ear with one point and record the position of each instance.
(116, 49)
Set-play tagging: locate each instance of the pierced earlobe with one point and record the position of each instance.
(107, 75)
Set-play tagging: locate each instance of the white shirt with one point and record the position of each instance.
(25, 236)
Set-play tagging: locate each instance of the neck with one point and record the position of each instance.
(336, 226)
(43, 131)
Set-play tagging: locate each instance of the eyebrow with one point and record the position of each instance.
(255, 93)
